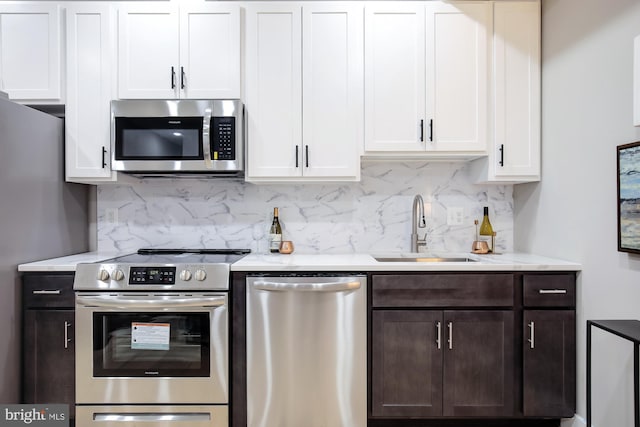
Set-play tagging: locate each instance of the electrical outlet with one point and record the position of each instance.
(455, 216)
(111, 215)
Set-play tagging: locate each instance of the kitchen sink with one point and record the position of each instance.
(423, 259)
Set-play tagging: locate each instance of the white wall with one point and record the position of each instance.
(587, 87)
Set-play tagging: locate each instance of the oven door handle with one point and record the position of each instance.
(111, 301)
(157, 417)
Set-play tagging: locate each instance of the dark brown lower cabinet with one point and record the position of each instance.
(549, 360)
(430, 363)
(48, 373)
(49, 369)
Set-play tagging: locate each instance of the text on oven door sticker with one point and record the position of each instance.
(150, 336)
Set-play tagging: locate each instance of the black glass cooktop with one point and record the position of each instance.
(182, 256)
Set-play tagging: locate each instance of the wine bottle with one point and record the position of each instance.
(275, 233)
(486, 230)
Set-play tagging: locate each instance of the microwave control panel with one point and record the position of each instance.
(223, 138)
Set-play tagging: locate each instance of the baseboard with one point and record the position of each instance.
(576, 421)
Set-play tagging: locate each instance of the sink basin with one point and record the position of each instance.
(423, 259)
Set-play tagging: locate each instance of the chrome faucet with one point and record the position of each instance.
(417, 220)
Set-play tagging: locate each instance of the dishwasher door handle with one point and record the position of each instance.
(347, 285)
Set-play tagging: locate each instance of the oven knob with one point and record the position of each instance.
(103, 275)
(185, 275)
(200, 275)
(118, 275)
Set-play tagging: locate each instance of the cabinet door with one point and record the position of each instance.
(549, 357)
(210, 51)
(90, 41)
(406, 363)
(332, 89)
(148, 60)
(49, 360)
(30, 52)
(395, 77)
(478, 363)
(458, 40)
(274, 90)
(516, 154)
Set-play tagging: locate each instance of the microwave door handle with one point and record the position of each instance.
(206, 139)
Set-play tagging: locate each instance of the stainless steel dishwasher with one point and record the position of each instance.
(306, 351)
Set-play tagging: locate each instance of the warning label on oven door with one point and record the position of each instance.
(150, 336)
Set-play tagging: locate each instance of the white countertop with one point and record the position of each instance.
(367, 262)
(66, 263)
(359, 262)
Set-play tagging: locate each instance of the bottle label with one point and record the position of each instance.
(274, 242)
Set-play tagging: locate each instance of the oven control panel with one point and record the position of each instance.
(144, 277)
(152, 276)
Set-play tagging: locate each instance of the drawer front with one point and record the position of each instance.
(443, 290)
(549, 290)
(48, 291)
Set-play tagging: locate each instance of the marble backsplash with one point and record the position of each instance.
(373, 215)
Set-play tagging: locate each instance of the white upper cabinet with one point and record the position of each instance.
(458, 40)
(273, 98)
(514, 154)
(304, 91)
(426, 84)
(90, 69)
(332, 79)
(395, 85)
(30, 53)
(210, 51)
(168, 52)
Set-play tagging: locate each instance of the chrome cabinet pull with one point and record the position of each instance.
(297, 155)
(181, 77)
(438, 335)
(501, 149)
(67, 340)
(421, 130)
(532, 334)
(552, 291)
(173, 78)
(450, 327)
(46, 292)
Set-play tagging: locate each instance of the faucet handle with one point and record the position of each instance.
(422, 242)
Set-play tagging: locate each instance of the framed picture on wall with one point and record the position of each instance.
(629, 197)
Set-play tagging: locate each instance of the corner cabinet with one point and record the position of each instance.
(427, 78)
(166, 52)
(49, 344)
(90, 71)
(30, 52)
(514, 150)
(304, 58)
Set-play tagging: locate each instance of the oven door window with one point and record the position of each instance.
(159, 138)
(151, 344)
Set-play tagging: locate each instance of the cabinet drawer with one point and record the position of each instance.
(48, 291)
(443, 290)
(549, 290)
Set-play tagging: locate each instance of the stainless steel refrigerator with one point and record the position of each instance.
(41, 217)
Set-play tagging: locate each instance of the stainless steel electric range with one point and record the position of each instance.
(152, 338)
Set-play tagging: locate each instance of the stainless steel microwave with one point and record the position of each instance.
(178, 137)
